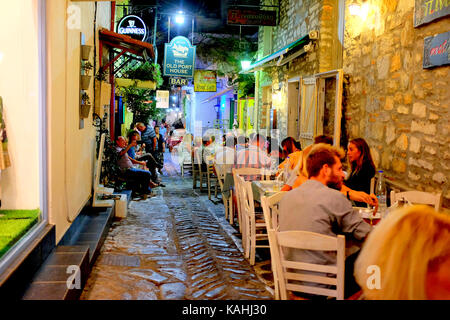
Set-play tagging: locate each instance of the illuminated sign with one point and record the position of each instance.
(132, 26)
(205, 81)
(179, 58)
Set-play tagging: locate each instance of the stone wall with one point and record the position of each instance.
(400, 108)
(298, 18)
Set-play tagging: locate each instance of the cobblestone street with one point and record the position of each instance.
(176, 245)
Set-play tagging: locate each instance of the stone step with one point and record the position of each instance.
(63, 275)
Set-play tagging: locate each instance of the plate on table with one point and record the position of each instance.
(367, 213)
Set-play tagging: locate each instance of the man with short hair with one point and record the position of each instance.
(125, 162)
(318, 206)
(148, 135)
(226, 156)
(254, 156)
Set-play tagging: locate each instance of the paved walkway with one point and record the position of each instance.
(176, 245)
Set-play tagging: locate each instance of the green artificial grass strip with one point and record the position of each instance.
(19, 214)
(5, 245)
(13, 225)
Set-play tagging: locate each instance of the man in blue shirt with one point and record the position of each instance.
(148, 136)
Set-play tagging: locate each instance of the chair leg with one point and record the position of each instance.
(252, 244)
(209, 187)
(225, 204)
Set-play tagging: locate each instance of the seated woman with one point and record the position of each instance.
(301, 176)
(361, 165)
(407, 257)
(143, 159)
(293, 155)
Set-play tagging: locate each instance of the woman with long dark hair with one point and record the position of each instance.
(361, 165)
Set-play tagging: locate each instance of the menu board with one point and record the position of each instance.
(428, 10)
(436, 50)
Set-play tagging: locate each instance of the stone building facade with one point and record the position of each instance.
(400, 108)
(389, 99)
(296, 19)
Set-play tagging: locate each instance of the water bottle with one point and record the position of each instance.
(381, 194)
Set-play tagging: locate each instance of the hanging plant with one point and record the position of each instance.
(146, 72)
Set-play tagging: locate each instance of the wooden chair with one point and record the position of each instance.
(201, 174)
(418, 197)
(195, 169)
(285, 269)
(270, 210)
(245, 172)
(227, 201)
(211, 177)
(252, 223)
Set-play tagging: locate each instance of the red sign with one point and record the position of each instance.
(252, 17)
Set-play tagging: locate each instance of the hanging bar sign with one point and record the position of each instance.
(179, 58)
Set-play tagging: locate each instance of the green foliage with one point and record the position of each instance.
(142, 103)
(146, 71)
(110, 169)
(227, 53)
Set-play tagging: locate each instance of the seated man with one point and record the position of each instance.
(296, 180)
(145, 159)
(318, 206)
(138, 176)
(226, 155)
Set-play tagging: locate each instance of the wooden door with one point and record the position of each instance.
(308, 111)
(293, 108)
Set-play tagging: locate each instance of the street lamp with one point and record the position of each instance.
(245, 64)
(179, 18)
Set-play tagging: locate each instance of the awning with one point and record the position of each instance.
(280, 53)
(120, 41)
(125, 44)
(218, 94)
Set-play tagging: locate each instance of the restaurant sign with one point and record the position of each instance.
(205, 81)
(162, 99)
(179, 58)
(132, 26)
(178, 81)
(428, 10)
(436, 50)
(249, 17)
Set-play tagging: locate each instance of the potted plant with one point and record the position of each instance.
(85, 106)
(146, 76)
(86, 77)
(102, 92)
(85, 52)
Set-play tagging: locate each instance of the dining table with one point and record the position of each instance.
(265, 188)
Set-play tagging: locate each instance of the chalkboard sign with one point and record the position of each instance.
(436, 50)
(428, 10)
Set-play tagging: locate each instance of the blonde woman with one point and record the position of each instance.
(407, 257)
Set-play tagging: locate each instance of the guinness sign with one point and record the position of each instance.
(132, 26)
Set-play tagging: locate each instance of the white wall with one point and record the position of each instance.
(71, 149)
(19, 88)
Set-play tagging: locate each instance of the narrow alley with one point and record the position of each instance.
(176, 245)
